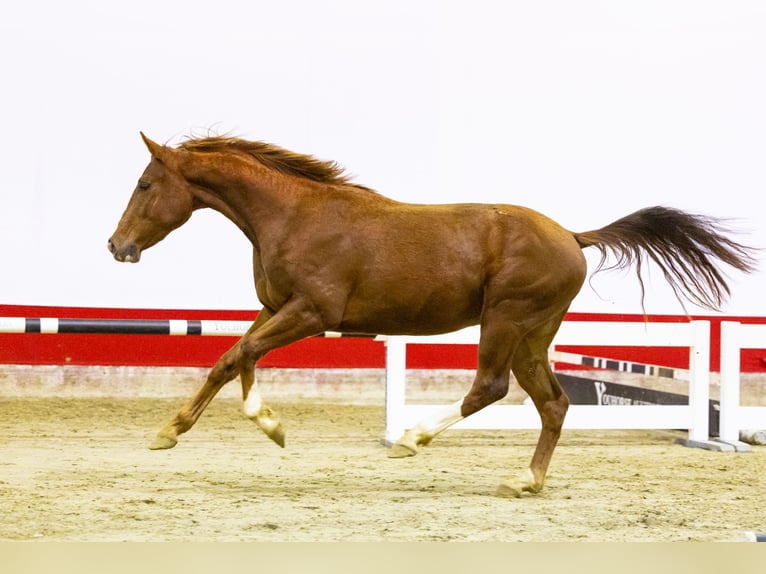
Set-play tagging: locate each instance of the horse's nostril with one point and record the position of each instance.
(110, 245)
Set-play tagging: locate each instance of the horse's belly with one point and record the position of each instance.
(408, 311)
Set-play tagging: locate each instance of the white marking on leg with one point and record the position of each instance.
(263, 416)
(253, 403)
(430, 426)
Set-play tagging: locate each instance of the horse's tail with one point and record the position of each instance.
(685, 246)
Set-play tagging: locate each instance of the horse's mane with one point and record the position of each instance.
(277, 158)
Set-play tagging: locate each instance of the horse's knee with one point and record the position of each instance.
(226, 367)
(249, 353)
(222, 372)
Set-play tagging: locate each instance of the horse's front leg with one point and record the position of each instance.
(296, 320)
(225, 369)
(255, 409)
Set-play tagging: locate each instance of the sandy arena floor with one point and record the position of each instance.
(76, 468)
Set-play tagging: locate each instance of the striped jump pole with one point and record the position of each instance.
(49, 325)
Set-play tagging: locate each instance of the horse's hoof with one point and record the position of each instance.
(277, 434)
(162, 442)
(506, 490)
(401, 450)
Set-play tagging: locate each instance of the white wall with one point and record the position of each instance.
(583, 110)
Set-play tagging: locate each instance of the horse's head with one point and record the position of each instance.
(161, 202)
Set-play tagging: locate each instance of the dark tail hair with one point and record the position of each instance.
(685, 246)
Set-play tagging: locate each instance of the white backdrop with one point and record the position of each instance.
(583, 110)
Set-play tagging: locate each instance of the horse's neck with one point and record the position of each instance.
(248, 194)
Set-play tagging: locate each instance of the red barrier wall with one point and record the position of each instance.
(162, 350)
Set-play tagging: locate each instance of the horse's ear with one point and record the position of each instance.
(157, 150)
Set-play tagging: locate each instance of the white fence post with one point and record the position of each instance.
(730, 367)
(735, 417)
(699, 381)
(396, 365)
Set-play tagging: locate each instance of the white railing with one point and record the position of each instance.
(735, 417)
(693, 417)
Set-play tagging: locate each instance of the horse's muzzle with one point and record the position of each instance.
(129, 253)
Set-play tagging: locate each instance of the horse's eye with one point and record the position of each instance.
(143, 185)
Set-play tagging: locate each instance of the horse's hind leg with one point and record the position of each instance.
(496, 347)
(225, 369)
(534, 374)
(425, 430)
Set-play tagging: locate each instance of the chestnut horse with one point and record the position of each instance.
(332, 255)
